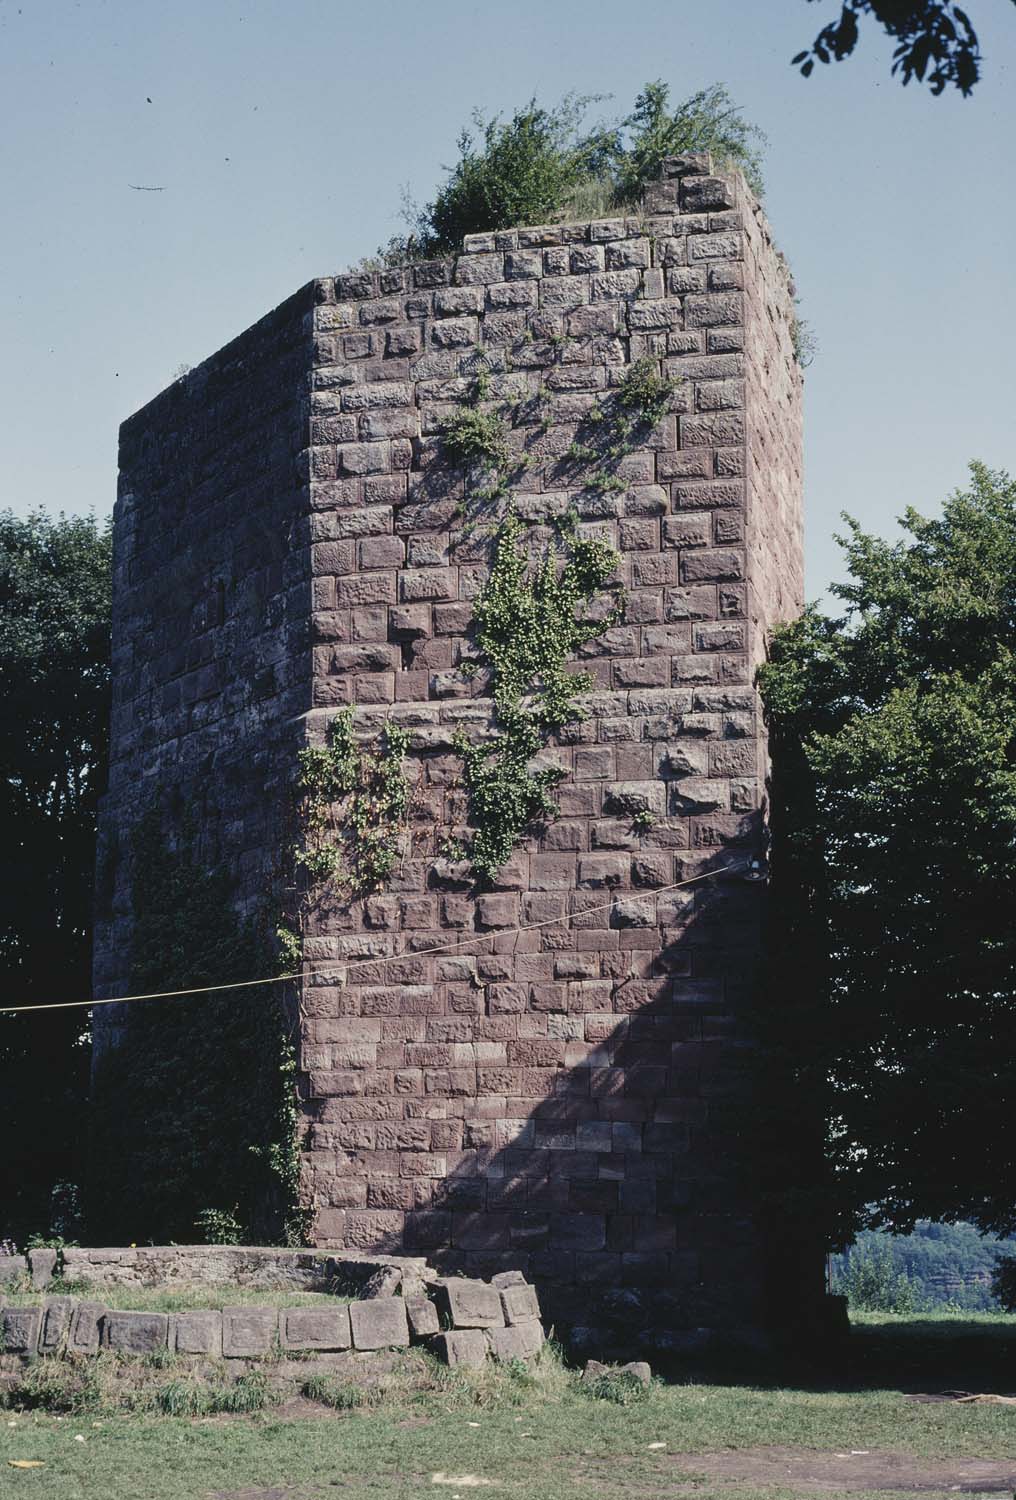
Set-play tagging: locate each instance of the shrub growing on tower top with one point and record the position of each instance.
(522, 171)
(708, 121)
(542, 164)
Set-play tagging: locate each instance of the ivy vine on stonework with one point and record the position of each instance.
(610, 430)
(529, 619)
(353, 806)
(473, 435)
(282, 1154)
(529, 622)
(476, 437)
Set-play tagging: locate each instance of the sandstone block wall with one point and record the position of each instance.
(211, 595)
(560, 1101)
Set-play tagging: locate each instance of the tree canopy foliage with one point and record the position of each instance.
(894, 741)
(55, 588)
(54, 708)
(544, 163)
(935, 41)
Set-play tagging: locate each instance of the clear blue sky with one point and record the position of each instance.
(284, 130)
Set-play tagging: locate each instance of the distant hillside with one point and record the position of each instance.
(937, 1265)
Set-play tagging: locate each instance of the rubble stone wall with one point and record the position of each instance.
(465, 1322)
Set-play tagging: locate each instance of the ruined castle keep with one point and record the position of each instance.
(293, 538)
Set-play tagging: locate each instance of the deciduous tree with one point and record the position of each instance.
(54, 709)
(894, 738)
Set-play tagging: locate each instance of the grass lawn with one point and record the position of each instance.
(541, 1436)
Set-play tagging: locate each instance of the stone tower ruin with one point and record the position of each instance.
(292, 538)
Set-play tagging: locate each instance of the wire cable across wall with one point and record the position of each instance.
(342, 971)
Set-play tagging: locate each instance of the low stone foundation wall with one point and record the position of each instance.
(266, 1267)
(403, 1302)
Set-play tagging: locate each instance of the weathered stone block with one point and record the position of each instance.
(86, 1327)
(504, 1279)
(315, 1328)
(628, 798)
(522, 264)
(135, 1332)
(463, 1348)
(379, 1324)
(520, 1303)
(694, 794)
(469, 1304)
(12, 1268)
(382, 552)
(520, 1341)
(476, 270)
(19, 1327)
(409, 621)
(42, 1264)
(56, 1322)
(718, 564)
(423, 1318)
(713, 310)
(249, 1332)
(706, 194)
(386, 1280)
(196, 1332)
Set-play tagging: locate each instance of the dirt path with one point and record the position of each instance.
(814, 1472)
(810, 1473)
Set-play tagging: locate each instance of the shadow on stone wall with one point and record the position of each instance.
(647, 1190)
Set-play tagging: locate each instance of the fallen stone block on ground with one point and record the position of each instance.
(135, 1332)
(423, 1318)
(465, 1320)
(380, 1323)
(19, 1329)
(519, 1341)
(385, 1282)
(249, 1332)
(464, 1348)
(196, 1332)
(86, 1326)
(636, 1369)
(519, 1304)
(42, 1265)
(56, 1322)
(315, 1328)
(469, 1304)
